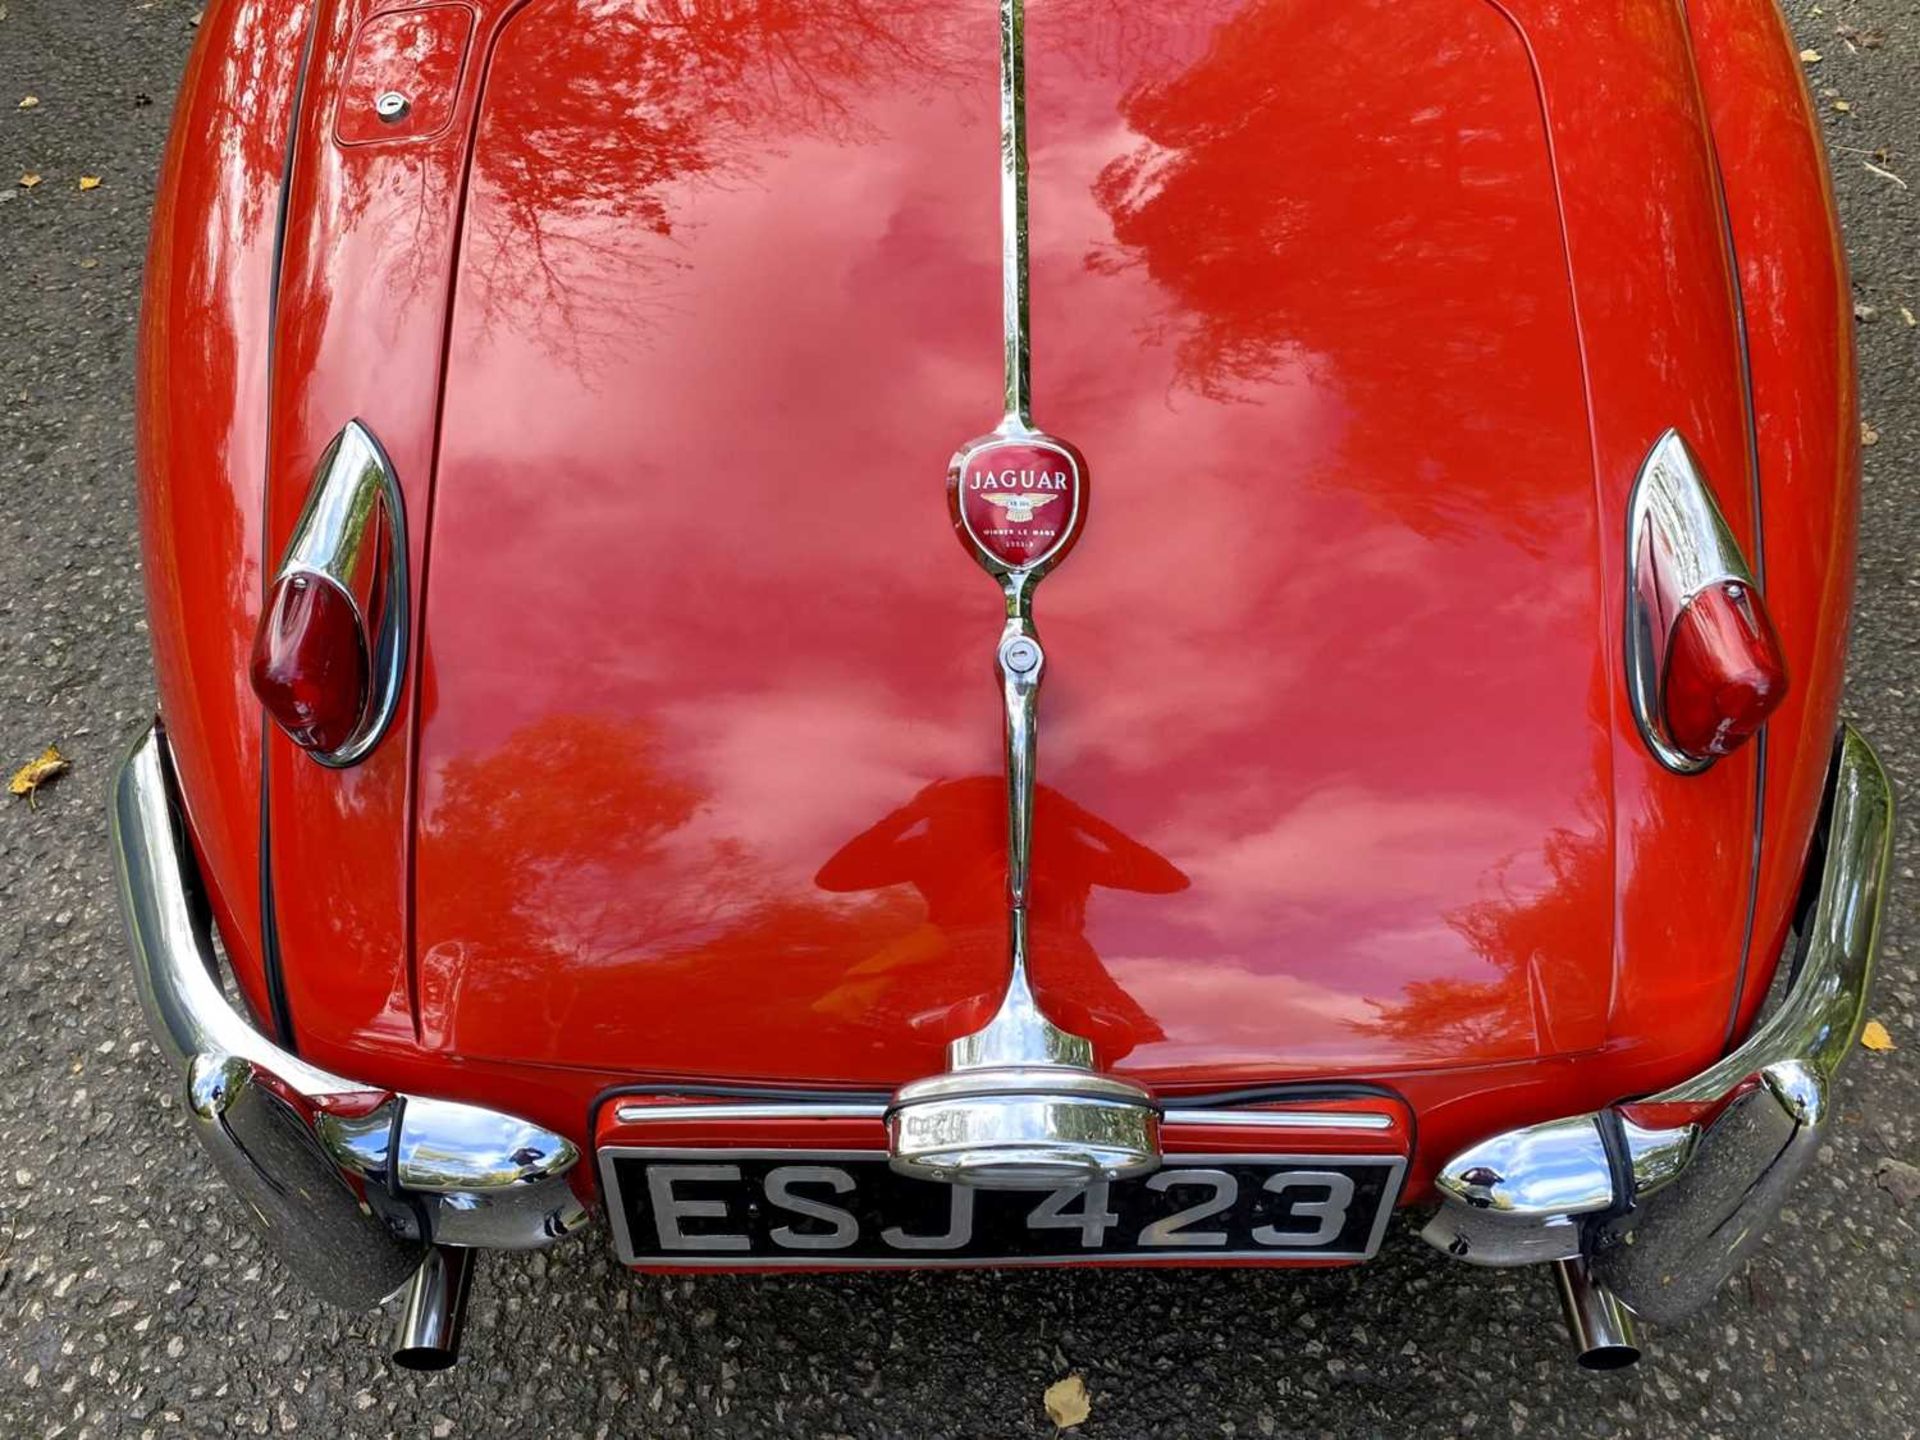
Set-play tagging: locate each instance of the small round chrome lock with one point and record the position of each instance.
(1021, 656)
(392, 107)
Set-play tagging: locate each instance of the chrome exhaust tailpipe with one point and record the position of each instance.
(436, 1310)
(1601, 1327)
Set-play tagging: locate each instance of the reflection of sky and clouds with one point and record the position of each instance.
(709, 361)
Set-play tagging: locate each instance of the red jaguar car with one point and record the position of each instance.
(624, 485)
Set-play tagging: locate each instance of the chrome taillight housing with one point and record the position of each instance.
(1704, 667)
(331, 650)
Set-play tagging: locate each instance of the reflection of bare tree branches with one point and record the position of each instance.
(792, 62)
(266, 37)
(1202, 205)
(647, 102)
(420, 259)
(1129, 41)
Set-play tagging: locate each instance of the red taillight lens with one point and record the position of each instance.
(310, 662)
(1725, 675)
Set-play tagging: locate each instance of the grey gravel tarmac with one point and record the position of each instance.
(134, 1301)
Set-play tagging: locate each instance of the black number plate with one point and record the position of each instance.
(840, 1208)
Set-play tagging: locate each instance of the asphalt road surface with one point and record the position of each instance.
(134, 1300)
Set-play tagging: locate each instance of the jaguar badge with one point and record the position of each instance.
(1018, 500)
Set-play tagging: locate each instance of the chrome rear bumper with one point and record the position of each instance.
(352, 1182)
(1664, 1196)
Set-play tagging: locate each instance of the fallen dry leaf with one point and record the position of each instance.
(89, 182)
(1875, 1037)
(1810, 57)
(1842, 106)
(28, 779)
(1898, 1179)
(1861, 39)
(1907, 315)
(1863, 313)
(29, 180)
(1868, 435)
(29, 102)
(1067, 1403)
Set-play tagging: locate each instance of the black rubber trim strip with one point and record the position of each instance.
(192, 882)
(1759, 560)
(393, 1147)
(272, 965)
(1750, 413)
(1815, 873)
(1602, 1230)
(1613, 1140)
(1311, 1090)
(272, 971)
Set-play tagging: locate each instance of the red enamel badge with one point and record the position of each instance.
(1018, 500)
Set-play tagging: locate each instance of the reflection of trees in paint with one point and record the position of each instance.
(539, 821)
(572, 890)
(1357, 193)
(1524, 938)
(569, 861)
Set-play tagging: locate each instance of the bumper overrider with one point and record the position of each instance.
(1653, 1202)
(363, 1190)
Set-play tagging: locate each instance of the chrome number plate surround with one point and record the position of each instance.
(755, 1208)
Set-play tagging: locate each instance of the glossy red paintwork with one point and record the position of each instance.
(201, 404)
(419, 54)
(366, 281)
(702, 753)
(1799, 314)
(1335, 647)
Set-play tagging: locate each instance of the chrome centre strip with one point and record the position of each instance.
(803, 1110)
(1281, 1119)
(1013, 213)
(1032, 1111)
(1251, 1119)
